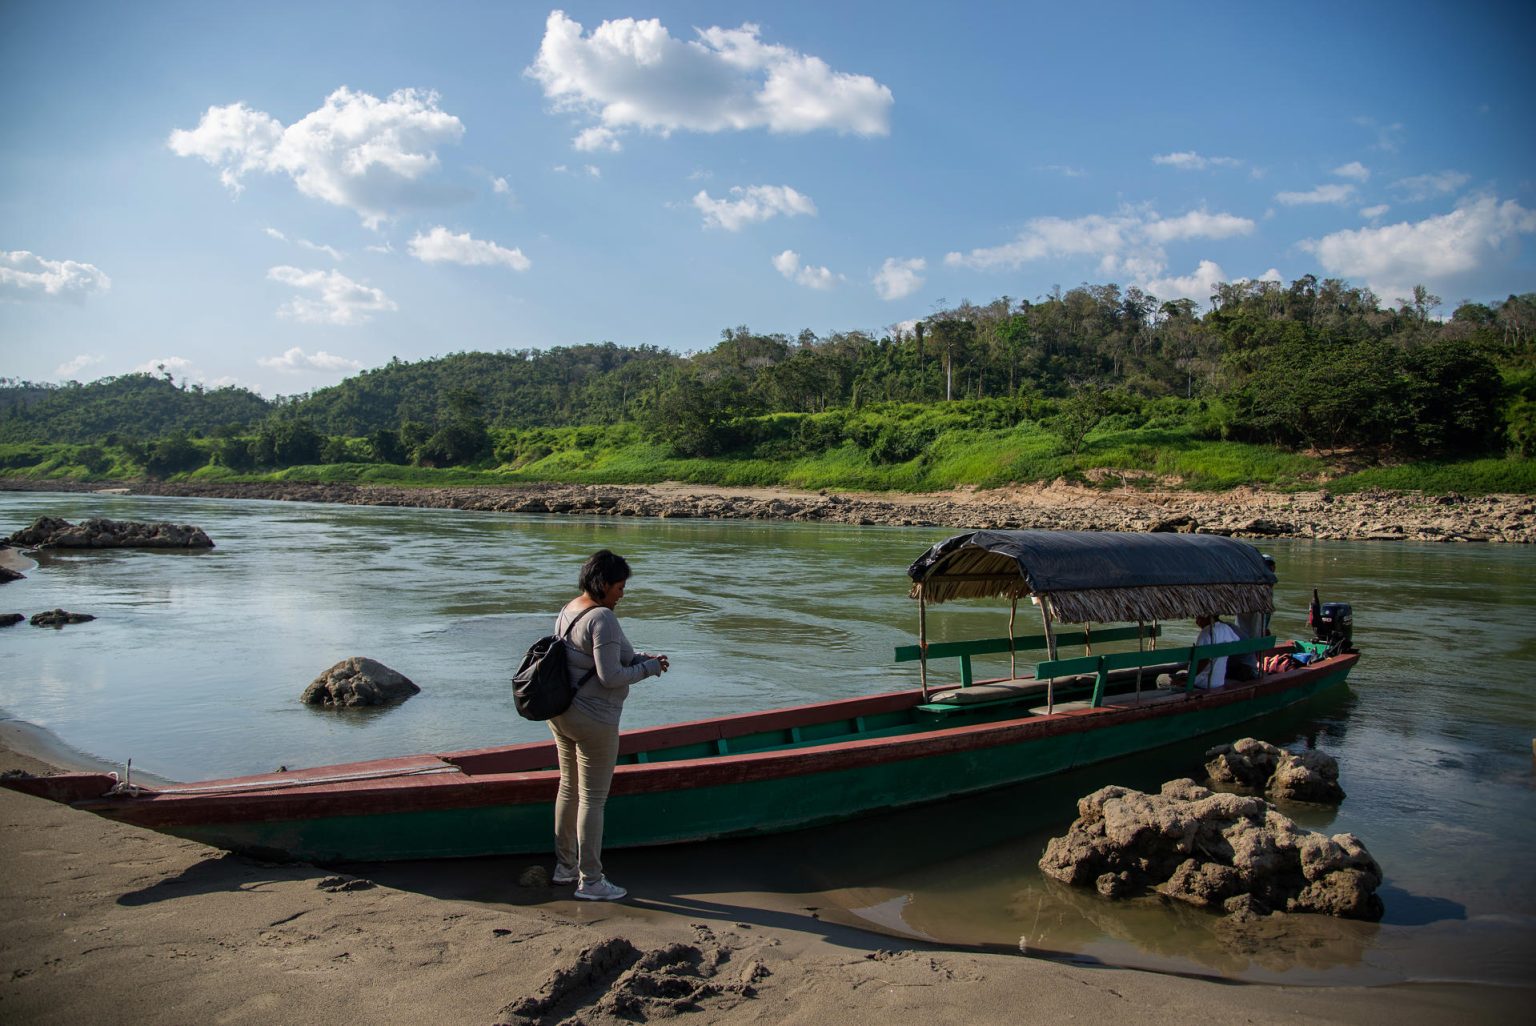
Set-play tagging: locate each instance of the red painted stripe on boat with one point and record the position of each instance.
(397, 795)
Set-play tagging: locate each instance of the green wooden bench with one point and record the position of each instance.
(963, 650)
(1100, 666)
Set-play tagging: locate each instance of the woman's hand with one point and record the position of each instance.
(664, 663)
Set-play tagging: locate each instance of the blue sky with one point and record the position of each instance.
(276, 195)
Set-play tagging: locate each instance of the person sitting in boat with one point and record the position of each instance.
(1251, 625)
(587, 734)
(1211, 674)
(1245, 665)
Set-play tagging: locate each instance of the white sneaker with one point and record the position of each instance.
(561, 875)
(603, 889)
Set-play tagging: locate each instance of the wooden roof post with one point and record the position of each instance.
(1050, 650)
(1141, 646)
(922, 641)
(1013, 665)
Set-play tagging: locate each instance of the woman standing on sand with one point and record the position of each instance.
(602, 665)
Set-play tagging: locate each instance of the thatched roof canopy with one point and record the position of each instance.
(1100, 576)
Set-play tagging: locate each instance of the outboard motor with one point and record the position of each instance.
(1335, 626)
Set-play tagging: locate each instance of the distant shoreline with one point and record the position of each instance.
(1241, 513)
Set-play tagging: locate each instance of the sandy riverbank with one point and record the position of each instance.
(112, 924)
(12, 559)
(1243, 513)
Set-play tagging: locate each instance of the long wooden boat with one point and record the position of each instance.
(790, 768)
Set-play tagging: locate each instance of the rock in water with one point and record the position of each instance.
(1307, 777)
(8, 619)
(1218, 851)
(359, 681)
(59, 617)
(100, 533)
(1247, 763)
(1284, 776)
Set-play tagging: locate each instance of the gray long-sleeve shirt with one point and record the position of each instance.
(618, 664)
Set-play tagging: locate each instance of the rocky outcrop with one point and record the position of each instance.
(10, 619)
(1241, 513)
(59, 617)
(1226, 852)
(1284, 776)
(100, 533)
(8, 575)
(359, 681)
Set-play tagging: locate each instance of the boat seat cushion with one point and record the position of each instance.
(985, 693)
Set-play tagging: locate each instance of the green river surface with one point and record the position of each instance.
(195, 664)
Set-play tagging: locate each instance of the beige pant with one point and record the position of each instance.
(588, 751)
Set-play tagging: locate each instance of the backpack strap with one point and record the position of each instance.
(575, 620)
(571, 627)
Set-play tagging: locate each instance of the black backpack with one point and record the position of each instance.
(541, 687)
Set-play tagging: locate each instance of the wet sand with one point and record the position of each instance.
(112, 924)
(12, 559)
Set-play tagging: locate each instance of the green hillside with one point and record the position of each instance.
(1278, 385)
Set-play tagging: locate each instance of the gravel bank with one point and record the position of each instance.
(1243, 513)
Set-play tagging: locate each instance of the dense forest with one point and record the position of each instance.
(1315, 365)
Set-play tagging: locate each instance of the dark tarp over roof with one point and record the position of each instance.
(1100, 576)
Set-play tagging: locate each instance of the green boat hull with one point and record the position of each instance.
(746, 806)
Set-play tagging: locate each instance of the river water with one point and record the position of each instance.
(194, 667)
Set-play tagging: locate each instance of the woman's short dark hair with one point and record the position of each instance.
(601, 571)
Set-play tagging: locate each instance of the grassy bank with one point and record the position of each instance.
(946, 458)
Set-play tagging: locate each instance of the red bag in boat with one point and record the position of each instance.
(1277, 663)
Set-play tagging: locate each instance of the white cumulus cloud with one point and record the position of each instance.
(1130, 241)
(176, 366)
(335, 299)
(1189, 160)
(313, 247)
(295, 360)
(1095, 234)
(25, 275)
(1374, 212)
(1438, 251)
(1197, 224)
(899, 278)
(356, 151)
(317, 247)
(633, 75)
(440, 246)
(597, 138)
(1354, 169)
(1331, 193)
(1199, 285)
(788, 264)
(1423, 187)
(751, 204)
(69, 368)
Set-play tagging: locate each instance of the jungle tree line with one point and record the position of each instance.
(1313, 363)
